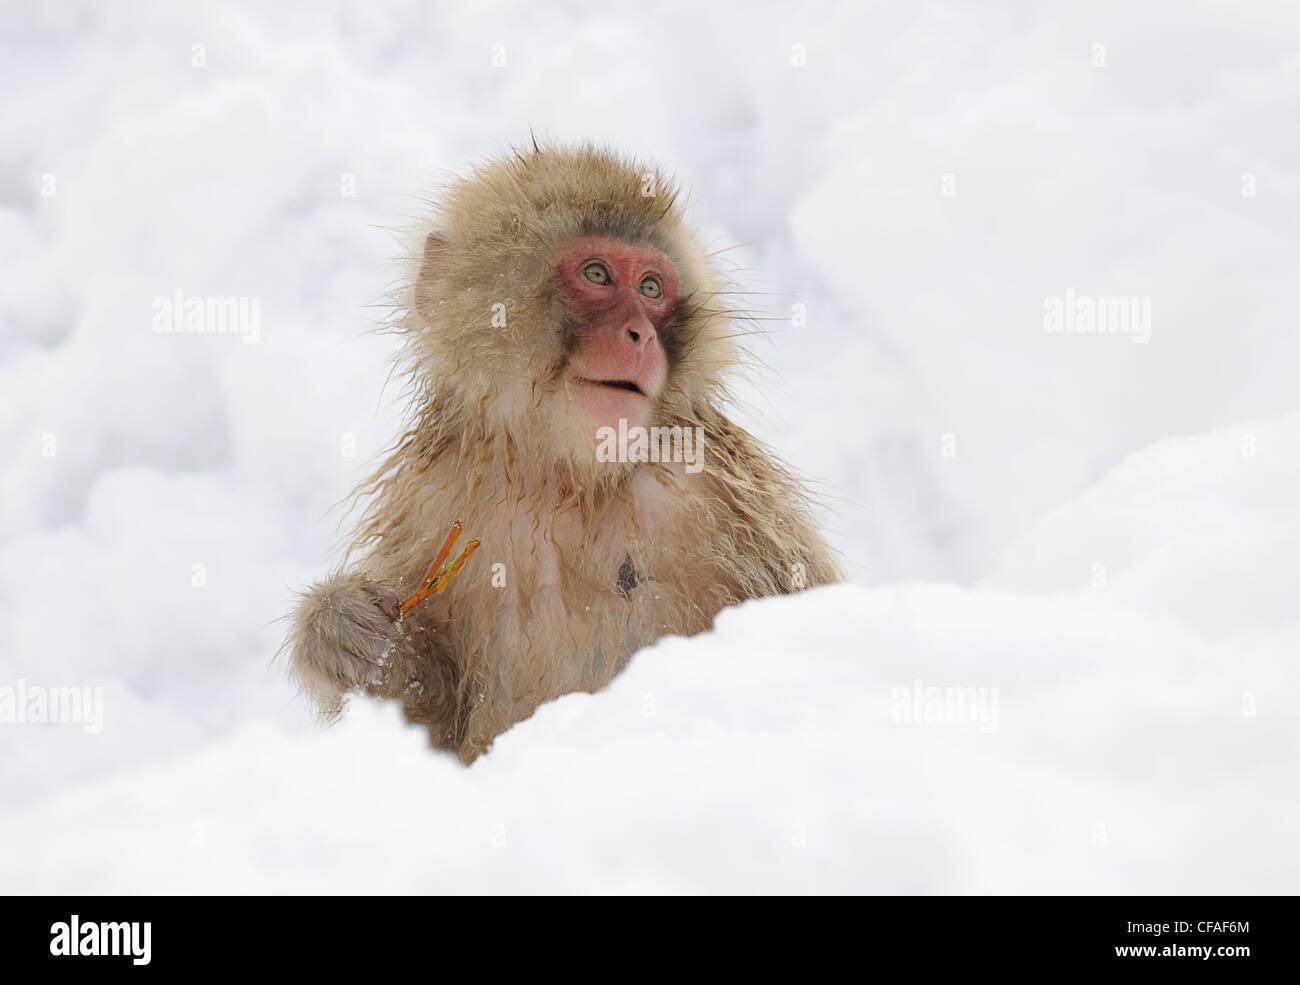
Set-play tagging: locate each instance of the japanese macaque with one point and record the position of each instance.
(566, 342)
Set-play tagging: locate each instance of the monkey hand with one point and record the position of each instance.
(342, 631)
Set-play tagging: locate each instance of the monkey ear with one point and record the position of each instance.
(425, 297)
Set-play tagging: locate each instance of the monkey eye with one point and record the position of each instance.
(650, 288)
(596, 273)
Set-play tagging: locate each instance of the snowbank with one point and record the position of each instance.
(909, 738)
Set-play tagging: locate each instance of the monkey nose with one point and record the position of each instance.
(640, 330)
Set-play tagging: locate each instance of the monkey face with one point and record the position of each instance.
(619, 300)
(558, 294)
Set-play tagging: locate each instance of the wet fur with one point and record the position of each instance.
(597, 559)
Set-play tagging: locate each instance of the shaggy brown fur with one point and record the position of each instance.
(582, 562)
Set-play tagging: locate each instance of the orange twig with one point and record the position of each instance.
(440, 574)
(441, 584)
(447, 544)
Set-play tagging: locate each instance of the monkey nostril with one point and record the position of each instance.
(636, 336)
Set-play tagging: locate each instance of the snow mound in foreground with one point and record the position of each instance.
(1048, 731)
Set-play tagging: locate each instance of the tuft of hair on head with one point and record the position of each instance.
(482, 253)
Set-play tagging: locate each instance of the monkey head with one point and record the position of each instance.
(558, 292)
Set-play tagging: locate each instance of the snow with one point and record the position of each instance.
(1097, 539)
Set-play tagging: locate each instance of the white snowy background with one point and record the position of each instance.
(1103, 535)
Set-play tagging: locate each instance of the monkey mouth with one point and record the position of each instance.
(614, 384)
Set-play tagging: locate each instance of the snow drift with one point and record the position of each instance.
(1091, 735)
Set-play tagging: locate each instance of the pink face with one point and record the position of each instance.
(621, 296)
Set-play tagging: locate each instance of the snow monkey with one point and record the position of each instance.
(565, 340)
